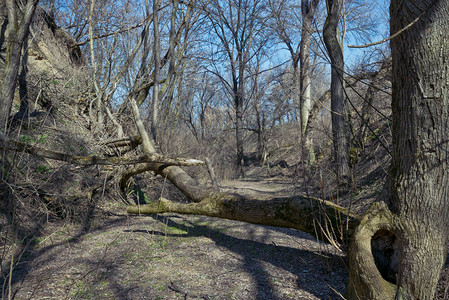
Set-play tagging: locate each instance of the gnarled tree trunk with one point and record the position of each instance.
(417, 224)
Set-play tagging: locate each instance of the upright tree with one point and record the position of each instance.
(157, 67)
(283, 15)
(308, 8)
(340, 129)
(417, 218)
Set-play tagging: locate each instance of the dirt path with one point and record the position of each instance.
(116, 256)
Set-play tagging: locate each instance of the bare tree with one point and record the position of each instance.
(308, 8)
(413, 231)
(239, 28)
(284, 15)
(157, 67)
(340, 129)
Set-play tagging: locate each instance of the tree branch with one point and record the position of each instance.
(17, 146)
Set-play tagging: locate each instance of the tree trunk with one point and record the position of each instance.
(420, 175)
(340, 130)
(211, 171)
(376, 81)
(295, 212)
(98, 93)
(238, 103)
(23, 112)
(16, 32)
(308, 12)
(156, 54)
(305, 98)
(292, 212)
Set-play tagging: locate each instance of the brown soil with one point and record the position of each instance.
(116, 256)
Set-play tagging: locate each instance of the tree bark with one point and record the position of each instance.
(157, 67)
(24, 111)
(211, 171)
(16, 32)
(98, 93)
(238, 104)
(305, 99)
(420, 175)
(340, 130)
(376, 81)
(297, 212)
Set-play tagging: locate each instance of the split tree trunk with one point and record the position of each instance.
(418, 222)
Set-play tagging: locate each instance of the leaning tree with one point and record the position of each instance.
(340, 129)
(411, 228)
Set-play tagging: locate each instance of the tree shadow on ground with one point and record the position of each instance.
(256, 254)
(261, 257)
(31, 258)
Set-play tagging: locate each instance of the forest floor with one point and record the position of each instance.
(113, 255)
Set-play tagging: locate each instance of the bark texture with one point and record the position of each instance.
(156, 54)
(16, 32)
(238, 104)
(340, 130)
(293, 212)
(420, 175)
(308, 9)
(365, 279)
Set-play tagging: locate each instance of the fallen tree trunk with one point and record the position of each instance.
(190, 187)
(321, 218)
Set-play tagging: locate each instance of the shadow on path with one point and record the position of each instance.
(256, 254)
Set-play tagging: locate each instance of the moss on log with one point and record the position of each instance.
(312, 215)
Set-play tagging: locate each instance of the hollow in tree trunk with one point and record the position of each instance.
(417, 220)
